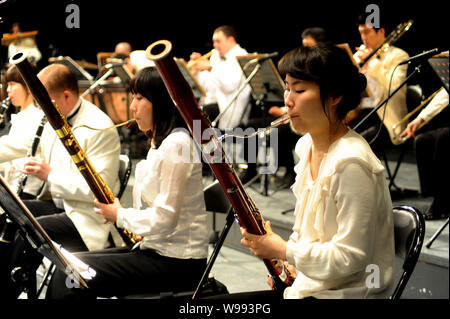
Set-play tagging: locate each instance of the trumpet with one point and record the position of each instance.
(395, 128)
(190, 64)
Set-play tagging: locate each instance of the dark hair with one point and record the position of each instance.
(166, 117)
(228, 31)
(13, 74)
(333, 71)
(362, 19)
(319, 34)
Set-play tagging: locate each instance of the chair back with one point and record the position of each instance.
(409, 232)
(215, 198)
(414, 96)
(124, 173)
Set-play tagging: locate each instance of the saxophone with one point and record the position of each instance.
(58, 122)
(246, 212)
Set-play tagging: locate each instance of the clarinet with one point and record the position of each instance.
(58, 122)
(6, 103)
(32, 152)
(246, 212)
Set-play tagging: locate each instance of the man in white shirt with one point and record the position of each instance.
(221, 77)
(432, 154)
(382, 74)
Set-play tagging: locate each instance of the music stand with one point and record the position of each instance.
(39, 240)
(197, 89)
(440, 66)
(266, 87)
(79, 72)
(267, 82)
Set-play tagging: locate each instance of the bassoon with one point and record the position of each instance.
(245, 210)
(58, 122)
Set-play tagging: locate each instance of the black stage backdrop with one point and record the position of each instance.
(262, 26)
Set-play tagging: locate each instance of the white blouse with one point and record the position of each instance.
(170, 183)
(342, 244)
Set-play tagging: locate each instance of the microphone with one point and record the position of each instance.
(423, 55)
(263, 58)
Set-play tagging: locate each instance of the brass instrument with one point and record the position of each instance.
(6, 103)
(395, 128)
(190, 64)
(388, 41)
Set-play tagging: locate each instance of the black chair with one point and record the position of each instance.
(124, 173)
(414, 96)
(215, 202)
(409, 232)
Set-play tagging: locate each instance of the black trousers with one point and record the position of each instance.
(432, 150)
(123, 271)
(19, 253)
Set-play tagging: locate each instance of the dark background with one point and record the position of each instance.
(262, 26)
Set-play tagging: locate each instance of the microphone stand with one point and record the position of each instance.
(416, 70)
(250, 77)
(97, 83)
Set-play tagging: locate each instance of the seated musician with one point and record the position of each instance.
(343, 214)
(380, 75)
(24, 44)
(168, 209)
(65, 202)
(432, 154)
(16, 145)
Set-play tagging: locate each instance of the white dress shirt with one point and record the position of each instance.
(222, 83)
(15, 146)
(439, 101)
(170, 185)
(65, 183)
(343, 224)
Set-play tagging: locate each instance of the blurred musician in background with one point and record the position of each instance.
(221, 77)
(65, 203)
(136, 59)
(314, 35)
(378, 71)
(432, 148)
(23, 44)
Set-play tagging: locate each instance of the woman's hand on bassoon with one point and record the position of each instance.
(291, 270)
(109, 211)
(267, 246)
